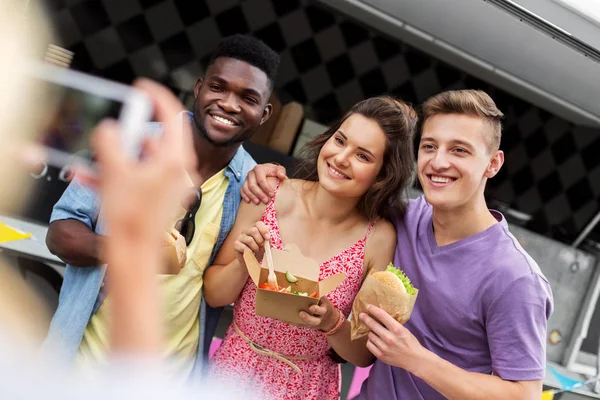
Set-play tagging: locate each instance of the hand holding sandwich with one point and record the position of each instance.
(392, 343)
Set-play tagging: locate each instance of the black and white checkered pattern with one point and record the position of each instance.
(329, 62)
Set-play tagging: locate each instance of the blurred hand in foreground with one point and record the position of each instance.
(138, 199)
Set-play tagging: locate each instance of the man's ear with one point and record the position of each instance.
(267, 112)
(495, 164)
(197, 87)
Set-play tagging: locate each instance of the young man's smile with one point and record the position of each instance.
(224, 120)
(440, 181)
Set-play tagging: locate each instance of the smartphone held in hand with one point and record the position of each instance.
(78, 102)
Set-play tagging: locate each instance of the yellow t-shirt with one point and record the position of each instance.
(182, 292)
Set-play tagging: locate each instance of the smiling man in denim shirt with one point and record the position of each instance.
(231, 102)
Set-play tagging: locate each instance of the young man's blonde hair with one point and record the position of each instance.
(474, 103)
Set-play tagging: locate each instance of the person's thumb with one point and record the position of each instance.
(108, 146)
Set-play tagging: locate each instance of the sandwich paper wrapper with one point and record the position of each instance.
(172, 260)
(286, 306)
(399, 305)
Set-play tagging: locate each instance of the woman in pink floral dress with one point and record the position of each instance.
(351, 175)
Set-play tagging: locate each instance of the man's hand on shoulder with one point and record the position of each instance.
(257, 188)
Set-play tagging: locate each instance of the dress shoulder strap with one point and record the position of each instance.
(272, 201)
(370, 228)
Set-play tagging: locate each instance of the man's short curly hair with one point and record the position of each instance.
(251, 50)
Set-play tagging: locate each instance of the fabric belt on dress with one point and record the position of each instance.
(258, 349)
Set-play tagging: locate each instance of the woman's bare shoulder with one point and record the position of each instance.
(384, 230)
(289, 193)
(380, 246)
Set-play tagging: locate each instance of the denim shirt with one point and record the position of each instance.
(81, 293)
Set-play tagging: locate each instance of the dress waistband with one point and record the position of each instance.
(258, 349)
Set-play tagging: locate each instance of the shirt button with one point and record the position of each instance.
(238, 174)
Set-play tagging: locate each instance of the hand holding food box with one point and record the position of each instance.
(298, 281)
(389, 290)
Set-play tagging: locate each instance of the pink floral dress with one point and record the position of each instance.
(319, 376)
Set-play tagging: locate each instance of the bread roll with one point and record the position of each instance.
(390, 279)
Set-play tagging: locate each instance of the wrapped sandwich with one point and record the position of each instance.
(389, 290)
(174, 251)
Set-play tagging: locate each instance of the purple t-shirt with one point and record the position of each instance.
(483, 305)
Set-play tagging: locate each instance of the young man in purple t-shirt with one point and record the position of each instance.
(478, 329)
